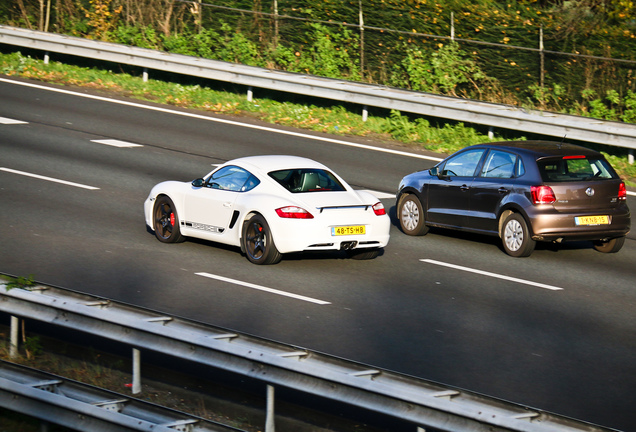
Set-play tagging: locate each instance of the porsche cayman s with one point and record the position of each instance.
(269, 206)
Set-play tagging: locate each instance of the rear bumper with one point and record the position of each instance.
(555, 226)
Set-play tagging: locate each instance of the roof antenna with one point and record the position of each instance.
(562, 141)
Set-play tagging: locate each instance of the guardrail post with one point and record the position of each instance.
(13, 344)
(365, 113)
(491, 133)
(145, 75)
(269, 419)
(47, 58)
(250, 94)
(136, 384)
(630, 156)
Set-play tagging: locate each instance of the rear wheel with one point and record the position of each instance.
(612, 246)
(258, 242)
(516, 236)
(411, 215)
(166, 221)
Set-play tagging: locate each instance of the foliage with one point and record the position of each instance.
(445, 71)
(20, 282)
(331, 54)
(404, 44)
(101, 19)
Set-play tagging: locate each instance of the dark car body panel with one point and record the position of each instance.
(503, 179)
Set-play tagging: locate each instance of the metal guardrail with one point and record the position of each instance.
(421, 402)
(78, 406)
(488, 114)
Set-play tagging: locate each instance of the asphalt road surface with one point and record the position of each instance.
(555, 331)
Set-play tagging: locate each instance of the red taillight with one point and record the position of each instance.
(622, 192)
(542, 195)
(293, 212)
(574, 157)
(378, 209)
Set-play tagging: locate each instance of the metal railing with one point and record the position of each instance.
(57, 400)
(469, 111)
(418, 401)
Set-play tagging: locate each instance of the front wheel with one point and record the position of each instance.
(411, 215)
(166, 221)
(516, 236)
(258, 242)
(611, 246)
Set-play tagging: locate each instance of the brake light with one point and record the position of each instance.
(574, 157)
(622, 192)
(378, 209)
(542, 195)
(293, 212)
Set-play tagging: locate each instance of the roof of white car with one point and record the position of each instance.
(269, 163)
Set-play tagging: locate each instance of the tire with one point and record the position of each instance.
(258, 243)
(611, 246)
(364, 254)
(515, 236)
(166, 221)
(411, 215)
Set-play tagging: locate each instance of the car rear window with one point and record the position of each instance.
(575, 168)
(307, 180)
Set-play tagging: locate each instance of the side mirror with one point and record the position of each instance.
(434, 171)
(198, 183)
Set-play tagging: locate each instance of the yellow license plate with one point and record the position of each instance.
(592, 220)
(348, 230)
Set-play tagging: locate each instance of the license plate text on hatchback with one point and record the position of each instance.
(348, 230)
(592, 220)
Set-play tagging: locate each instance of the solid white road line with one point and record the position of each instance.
(494, 275)
(187, 114)
(219, 120)
(51, 179)
(8, 121)
(262, 288)
(116, 143)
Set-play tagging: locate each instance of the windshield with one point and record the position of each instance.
(575, 168)
(307, 180)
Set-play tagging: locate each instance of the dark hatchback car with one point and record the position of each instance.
(522, 192)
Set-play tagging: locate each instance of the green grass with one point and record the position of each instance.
(397, 128)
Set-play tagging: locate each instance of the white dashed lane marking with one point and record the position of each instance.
(8, 121)
(50, 179)
(262, 288)
(116, 143)
(493, 275)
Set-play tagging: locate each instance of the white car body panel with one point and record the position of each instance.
(208, 213)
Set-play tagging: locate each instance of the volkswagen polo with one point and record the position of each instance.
(522, 192)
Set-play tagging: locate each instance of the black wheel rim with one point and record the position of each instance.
(255, 240)
(164, 220)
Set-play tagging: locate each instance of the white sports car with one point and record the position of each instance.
(269, 206)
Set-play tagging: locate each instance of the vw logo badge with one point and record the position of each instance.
(589, 192)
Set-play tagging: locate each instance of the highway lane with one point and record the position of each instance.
(571, 351)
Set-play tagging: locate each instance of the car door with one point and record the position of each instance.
(448, 198)
(208, 209)
(490, 188)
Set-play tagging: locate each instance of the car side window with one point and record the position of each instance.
(463, 164)
(307, 180)
(232, 178)
(499, 164)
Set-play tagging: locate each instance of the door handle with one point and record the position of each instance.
(464, 187)
(227, 204)
(502, 190)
